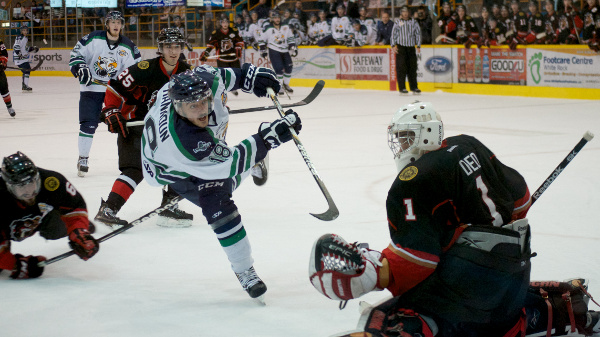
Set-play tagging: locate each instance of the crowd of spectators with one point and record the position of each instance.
(352, 23)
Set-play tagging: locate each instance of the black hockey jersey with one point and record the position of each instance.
(225, 43)
(20, 221)
(433, 199)
(132, 90)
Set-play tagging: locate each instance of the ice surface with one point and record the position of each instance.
(154, 281)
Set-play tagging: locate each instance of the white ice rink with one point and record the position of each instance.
(153, 281)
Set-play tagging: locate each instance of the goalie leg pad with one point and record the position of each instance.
(342, 271)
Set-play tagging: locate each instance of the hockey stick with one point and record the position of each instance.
(587, 136)
(311, 97)
(130, 225)
(331, 213)
(36, 67)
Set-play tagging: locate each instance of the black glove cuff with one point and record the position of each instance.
(247, 80)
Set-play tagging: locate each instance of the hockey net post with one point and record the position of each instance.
(332, 212)
(587, 136)
(132, 224)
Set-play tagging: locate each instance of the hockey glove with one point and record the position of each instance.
(263, 51)
(3, 61)
(204, 56)
(293, 50)
(27, 267)
(83, 243)
(84, 76)
(115, 121)
(279, 132)
(257, 79)
(238, 53)
(33, 49)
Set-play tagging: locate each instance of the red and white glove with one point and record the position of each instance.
(83, 243)
(115, 121)
(27, 267)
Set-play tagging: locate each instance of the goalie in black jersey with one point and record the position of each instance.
(459, 259)
(127, 99)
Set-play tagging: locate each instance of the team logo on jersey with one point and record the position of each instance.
(51, 184)
(202, 146)
(25, 227)
(224, 97)
(226, 44)
(122, 53)
(408, 173)
(106, 66)
(143, 65)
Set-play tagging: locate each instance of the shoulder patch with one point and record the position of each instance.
(51, 184)
(143, 65)
(408, 173)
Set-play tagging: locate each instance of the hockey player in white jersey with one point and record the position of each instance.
(278, 42)
(361, 35)
(254, 31)
(321, 29)
(183, 145)
(340, 28)
(97, 58)
(21, 54)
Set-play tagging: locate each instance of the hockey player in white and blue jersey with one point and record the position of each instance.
(21, 50)
(183, 145)
(278, 42)
(97, 58)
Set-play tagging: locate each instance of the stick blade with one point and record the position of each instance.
(331, 214)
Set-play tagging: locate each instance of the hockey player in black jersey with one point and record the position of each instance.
(3, 82)
(35, 200)
(127, 99)
(459, 259)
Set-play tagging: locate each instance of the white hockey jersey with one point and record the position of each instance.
(21, 50)
(340, 28)
(254, 31)
(104, 61)
(278, 39)
(366, 35)
(174, 149)
(319, 30)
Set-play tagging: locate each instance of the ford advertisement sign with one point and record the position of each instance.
(438, 65)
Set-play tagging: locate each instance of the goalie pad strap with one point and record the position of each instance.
(567, 298)
(545, 297)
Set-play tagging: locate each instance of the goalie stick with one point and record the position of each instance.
(118, 231)
(332, 212)
(587, 136)
(36, 67)
(308, 99)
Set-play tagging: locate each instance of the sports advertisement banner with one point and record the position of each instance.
(84, 3)
(567, 68)
(154, 3)
(491, 66)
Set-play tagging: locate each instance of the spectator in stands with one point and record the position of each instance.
(447, 25)
(262, 9)
(425, 23)
(287, 15)
(178, 24)
(574, 19)
(384, 29)
(350, 8)
(331, 9)
(18, 12)
(496, 11)
(239, 23)
(301, 15)
(591, 6)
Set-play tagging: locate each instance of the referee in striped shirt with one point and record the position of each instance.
(406, 34)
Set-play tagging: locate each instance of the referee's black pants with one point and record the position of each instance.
(406, 66)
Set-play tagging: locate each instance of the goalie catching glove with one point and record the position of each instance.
(83, 243)
(278, 132)
(257, 79)
(343, 271)
(115, 121)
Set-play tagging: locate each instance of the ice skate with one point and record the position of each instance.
(11, 112)
(173, 217)
(281, 92)
(417, 92)
(82, 166)
(403, 92)
(26, 88)
(287, 88)
(260, 171)
(108, 216)
(252, 284)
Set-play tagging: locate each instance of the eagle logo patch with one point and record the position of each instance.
(408, 173)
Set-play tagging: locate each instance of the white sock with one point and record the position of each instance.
(26, 80)
(287, 78)
(84, 143)
(240, 255)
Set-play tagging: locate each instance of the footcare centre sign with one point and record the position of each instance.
(567, 68)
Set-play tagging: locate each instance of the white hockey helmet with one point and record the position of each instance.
(415, 129)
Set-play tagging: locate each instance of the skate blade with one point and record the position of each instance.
(173, 223)
(81, 174)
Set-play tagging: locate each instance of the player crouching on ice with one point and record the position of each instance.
(38, 200)
(459, 259)
(183, 145)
